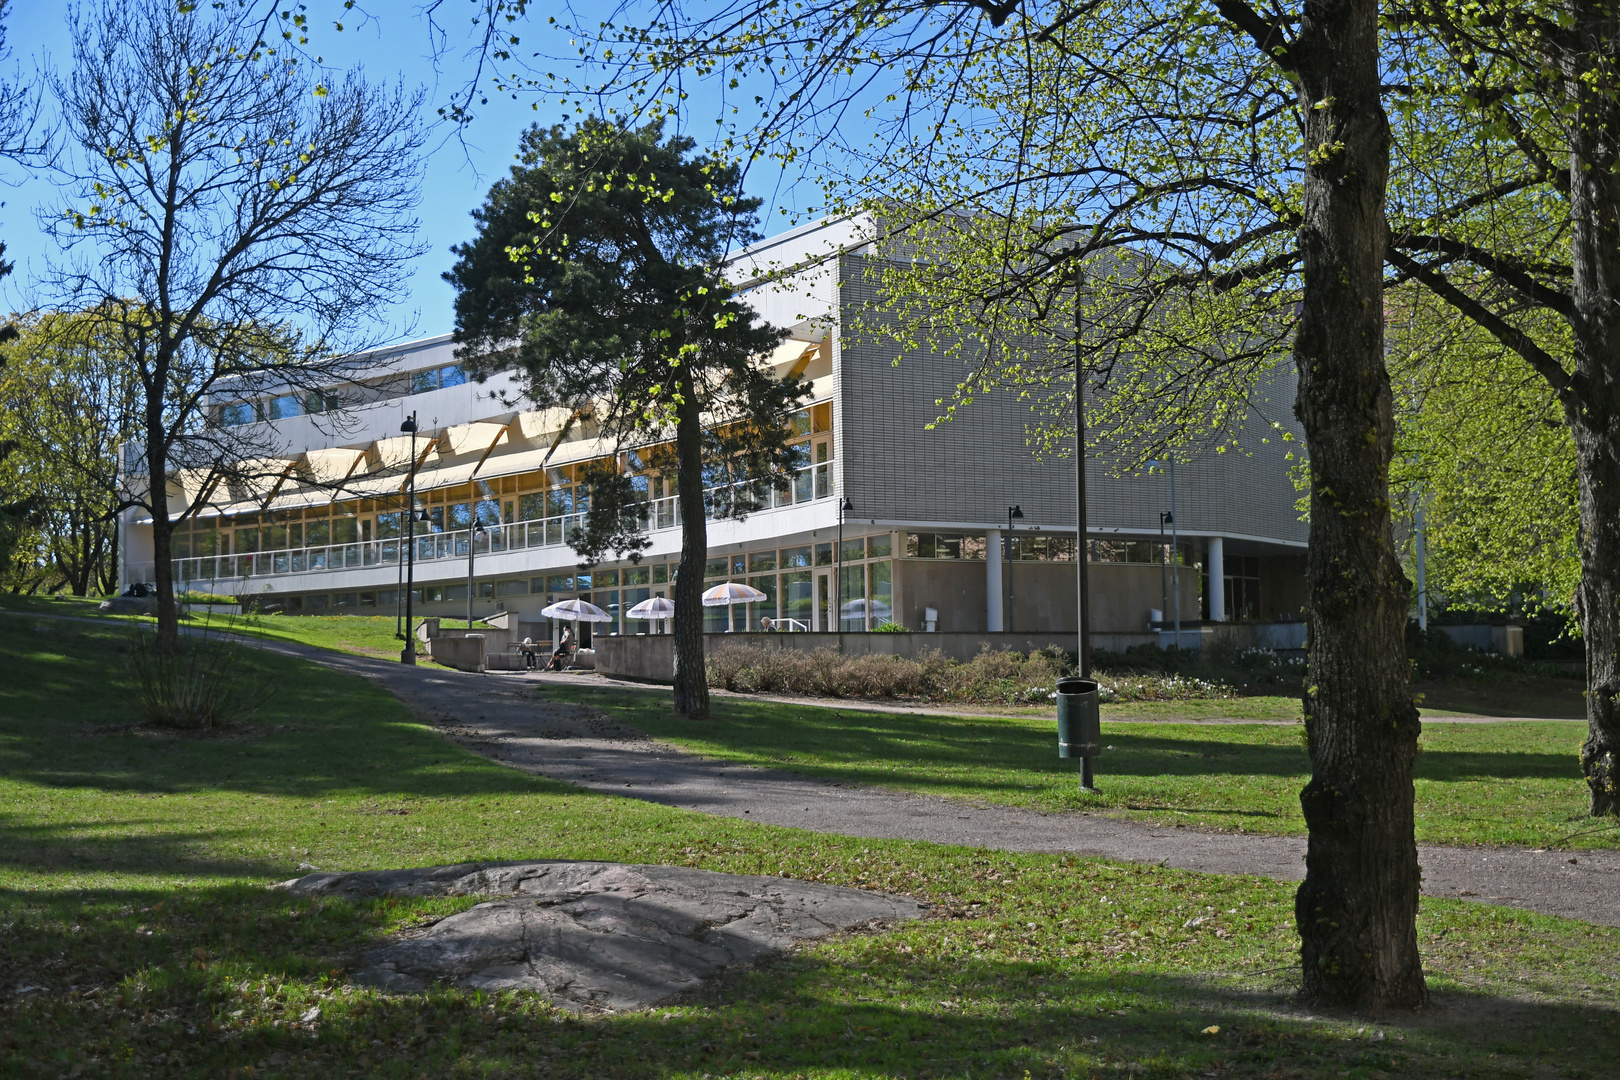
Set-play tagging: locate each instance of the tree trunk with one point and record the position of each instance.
(1592, 402)
(168, 613)
(1597, 449)
(1357, 908)
(691, 676)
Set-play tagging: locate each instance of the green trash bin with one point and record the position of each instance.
(1079, 723)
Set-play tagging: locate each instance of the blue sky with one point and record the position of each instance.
(459, 170)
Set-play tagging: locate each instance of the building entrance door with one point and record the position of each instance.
(824, 619)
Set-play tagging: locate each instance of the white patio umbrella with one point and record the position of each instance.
(731, 592)
(653, 608)
(576, 611)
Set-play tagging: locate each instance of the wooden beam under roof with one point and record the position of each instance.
(504, 433)
(416, 465)
(275, 489)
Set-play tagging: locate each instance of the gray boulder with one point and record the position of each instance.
(597, 936)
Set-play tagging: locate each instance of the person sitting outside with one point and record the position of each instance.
(563, 652)
(767, 625)
(528, 654)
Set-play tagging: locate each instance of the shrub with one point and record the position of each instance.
(1158, 686)
(201, 688)
(994, 677)
(205, 598)
(999, 678)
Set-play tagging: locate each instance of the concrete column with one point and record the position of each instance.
(992, 582)
(1215, 566)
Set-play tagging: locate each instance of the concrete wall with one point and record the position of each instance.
(652, 659)
(464, 652)
(955, 589)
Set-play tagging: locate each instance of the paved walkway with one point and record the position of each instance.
(508, 719)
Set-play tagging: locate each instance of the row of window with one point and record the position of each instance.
(549, 493)
(285, 406)
(1043, 549)
(864, 599)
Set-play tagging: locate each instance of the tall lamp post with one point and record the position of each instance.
(1165, 518)
(1175, 557)
(1083, 609)
(1012, 513)
(407, 655)
(1175, 548)
(844, 507)
(473, 534)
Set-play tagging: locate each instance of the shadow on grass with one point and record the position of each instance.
(202, 982)
(63, 847)
(860, 745)
(66, 722)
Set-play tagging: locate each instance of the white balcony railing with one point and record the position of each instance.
(810, 483)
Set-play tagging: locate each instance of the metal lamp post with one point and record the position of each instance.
(1083, 607)
(473, 534)
(407, 655)
(844, 507)
(1079, 724)
(1165, 518)
(1175, 549)
(1013, 512)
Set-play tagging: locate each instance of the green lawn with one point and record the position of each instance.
(362, 635)
(132, 902)
(132, 875)
(1503, 783)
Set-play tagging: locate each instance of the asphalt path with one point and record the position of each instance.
(508, 718)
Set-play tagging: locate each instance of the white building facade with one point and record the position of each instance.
(923, 540)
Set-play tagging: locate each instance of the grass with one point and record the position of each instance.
(361, 635)
(1513, 783)
(137, 938)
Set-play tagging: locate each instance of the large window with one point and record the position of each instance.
(1242, 585)
(238, 413)
(945, 545)
(438, 378)
(1042, 548)
(1134, 551)
(797, 600)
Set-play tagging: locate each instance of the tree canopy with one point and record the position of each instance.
(67, 406)
(597, 274)
(232, 216)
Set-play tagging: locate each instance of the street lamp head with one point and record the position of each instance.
(1015, 513)
(1168, 517)
(845, 506)
(409, 426)
(478, 529)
